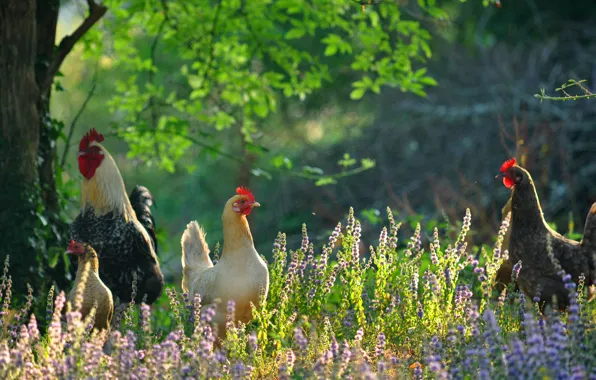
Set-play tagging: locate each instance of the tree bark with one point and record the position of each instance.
(47, 20)
(19, 124)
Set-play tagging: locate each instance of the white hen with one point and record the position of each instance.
(241, 274)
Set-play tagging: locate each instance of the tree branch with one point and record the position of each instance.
(567, 96)
(76, 118)
(96, 12)
(154, 115)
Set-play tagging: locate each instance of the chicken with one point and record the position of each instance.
(240, 275)
(94, 292)
(121, 229)
(528, 243)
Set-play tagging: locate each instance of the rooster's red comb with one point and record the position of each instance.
(89, 137)
(244, 191)
(507, 164)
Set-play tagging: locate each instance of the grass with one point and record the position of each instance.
(409, 309)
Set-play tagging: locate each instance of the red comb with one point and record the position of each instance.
(507, 164)
(244, 191)
(71, 246)
(89, 137)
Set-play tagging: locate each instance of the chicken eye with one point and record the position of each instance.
(243, 201)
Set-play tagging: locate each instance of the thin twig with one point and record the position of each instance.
(150, 79)
(96, 12)
(212, 43)
(76, 118)
(567, 96)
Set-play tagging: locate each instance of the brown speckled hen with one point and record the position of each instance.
(94, 292)
(119, 227)
(528, 242)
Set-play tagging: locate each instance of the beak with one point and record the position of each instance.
(255, 204)
(500, 175)
(69, 252)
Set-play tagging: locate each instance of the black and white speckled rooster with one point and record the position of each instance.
(120, 228)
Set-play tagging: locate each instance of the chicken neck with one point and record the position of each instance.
(105, 191)
(93, 265)
(526, 212)
(237, 237)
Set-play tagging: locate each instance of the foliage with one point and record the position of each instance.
(198, 72)
(404, 311)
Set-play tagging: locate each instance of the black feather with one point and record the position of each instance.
(141, 200)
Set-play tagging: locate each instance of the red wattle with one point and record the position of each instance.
(508, 182)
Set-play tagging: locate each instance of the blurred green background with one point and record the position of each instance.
(434, 155)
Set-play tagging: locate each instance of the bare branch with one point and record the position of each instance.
(96, 12)
(367, 2)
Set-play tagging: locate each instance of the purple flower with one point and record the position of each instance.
(418, 372)
(304, 245)
(335, 235)
(383, 238)
(145, 318)
(380, 347)
(420, 312)
(300, 339)
(351, 221)
(359, 335)
(414, 284)
(322, 362)
(252, 342)
(515, 271)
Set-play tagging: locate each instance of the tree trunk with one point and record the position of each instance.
(47, 20)
(20, 202)
(49, 132)
(30, 206)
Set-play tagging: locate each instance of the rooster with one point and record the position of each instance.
(94, 292)
(240, 275)
(120, 228)
(528, 242)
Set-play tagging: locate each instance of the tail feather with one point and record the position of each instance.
(195, 253)
(141, 201)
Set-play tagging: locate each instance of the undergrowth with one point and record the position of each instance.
(408, 310)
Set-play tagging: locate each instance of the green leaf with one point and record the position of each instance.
(54, 254)
(294, 33)
(261, 109)
(357, 93)
(195, 81)
(313, 170)
(281, 161)
(347, 161)
(325, 181)
(330, 50)
(428, 81)
(367, 163)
